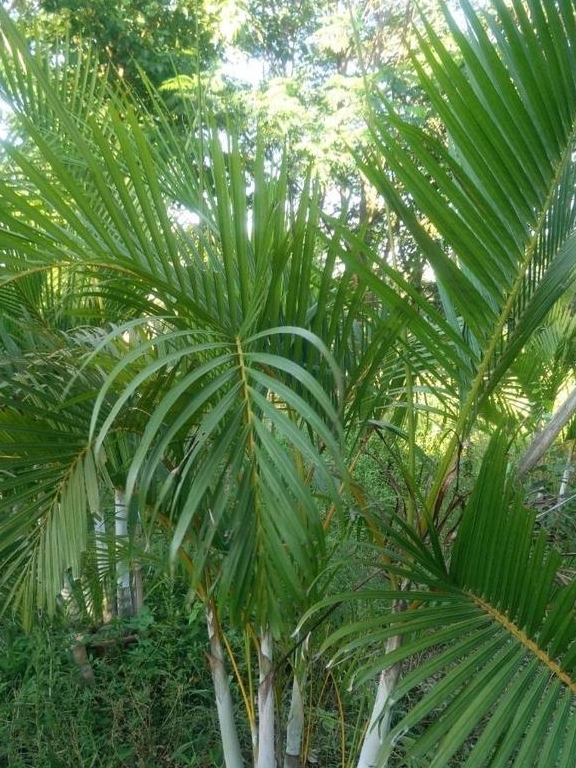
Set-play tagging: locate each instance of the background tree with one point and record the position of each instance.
(131, 39)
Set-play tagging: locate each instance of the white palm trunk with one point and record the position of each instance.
(123, 591)
(566, 474)
(224, 705)
(295, 725)
(266, 749)
(379, 725)
(101, 549)
(546, 437)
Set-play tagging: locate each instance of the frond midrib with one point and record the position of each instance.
(521, 637)
(471, 403)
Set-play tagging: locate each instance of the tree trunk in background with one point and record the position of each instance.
(137, 589)
(566, 474)
(137, 577)
(546, 437)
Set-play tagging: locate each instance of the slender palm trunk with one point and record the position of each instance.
(224, 705)
(295, 725)
(566, 474)
(266, 748)
(546, 437)
(102, 559)
(123, 591)
(379, 724)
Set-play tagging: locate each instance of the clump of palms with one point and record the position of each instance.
(221, 370)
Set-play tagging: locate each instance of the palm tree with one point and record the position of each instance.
(490, 206)
(193, 384)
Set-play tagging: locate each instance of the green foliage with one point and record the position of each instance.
(156, 38)
(149, 705)
(494, 631)
(278, 34)
(237, 334)
(501, 246)
(209, 385)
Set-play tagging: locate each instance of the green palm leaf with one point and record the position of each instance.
(495, 633)
(254, 445)
(51, 487)
(491, 205)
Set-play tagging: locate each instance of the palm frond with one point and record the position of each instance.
(53, 492)
(234, 400)
(491, 206)
(253, 443)
(50, 485)
(494, 633)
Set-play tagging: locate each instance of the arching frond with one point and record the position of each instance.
(254, 446)
(489, 203)
(494, 635)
